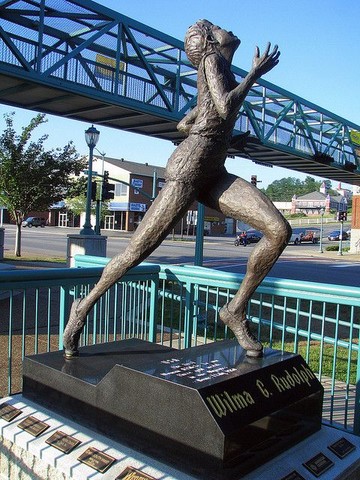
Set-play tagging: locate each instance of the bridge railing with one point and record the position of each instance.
(178, 306)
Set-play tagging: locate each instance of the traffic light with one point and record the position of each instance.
(93, 190)
(341, 216)
(107, 188)
(254, 180)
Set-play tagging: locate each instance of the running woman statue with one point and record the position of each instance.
(196, 171)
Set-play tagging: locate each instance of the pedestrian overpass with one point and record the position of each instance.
(78, 59)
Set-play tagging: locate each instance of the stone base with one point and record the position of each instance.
(85, 245)
(23, 457)
(223, 412)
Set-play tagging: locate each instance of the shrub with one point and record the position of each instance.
(296, 215)
(335, 248)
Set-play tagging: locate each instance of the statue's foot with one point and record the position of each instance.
(73, 330)
(241, 329)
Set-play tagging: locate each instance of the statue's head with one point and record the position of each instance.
(198, 41)
(204, 37)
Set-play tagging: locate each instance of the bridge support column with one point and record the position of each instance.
(85, 245)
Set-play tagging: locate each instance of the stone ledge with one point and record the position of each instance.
(23, 457)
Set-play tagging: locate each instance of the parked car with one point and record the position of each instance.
(335, 235)
(295, 236)
(34, 222)
(300, 235)
(253, 236)
(310, 236)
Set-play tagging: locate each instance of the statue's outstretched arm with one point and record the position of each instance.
(227, 100)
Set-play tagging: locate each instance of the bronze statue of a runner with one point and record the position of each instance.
(196, 171)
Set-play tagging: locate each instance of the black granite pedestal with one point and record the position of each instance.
(209, 409)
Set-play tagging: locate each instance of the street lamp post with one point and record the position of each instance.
(91, 137)
(322, 211)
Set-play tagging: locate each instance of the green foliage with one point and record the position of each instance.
(283, 190)
(32, 178)
(76, 205)
(296, 215)
(335, 248)
(77, 187)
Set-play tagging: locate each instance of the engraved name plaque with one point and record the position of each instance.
(94, 458)
(33, 425)
(8, 412)
(63, 442)
(131, 473)
(293, 476)
(342, 447)
(319, 464)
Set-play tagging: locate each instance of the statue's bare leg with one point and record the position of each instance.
(240, 200)
(168, 208)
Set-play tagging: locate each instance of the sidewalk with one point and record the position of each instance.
(299, 251)
(8, 265)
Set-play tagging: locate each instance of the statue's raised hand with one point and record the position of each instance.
(267, 61)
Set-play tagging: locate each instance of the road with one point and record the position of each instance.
(302, 262)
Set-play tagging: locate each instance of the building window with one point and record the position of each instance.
(120, 189)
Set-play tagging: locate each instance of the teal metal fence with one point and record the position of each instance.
(178, 306)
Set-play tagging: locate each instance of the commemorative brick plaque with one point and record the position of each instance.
(342, 447)
(33, 425)
(318, 464)
(63, 442)
(222, 411)
(96, 459)
(131, 473)
(9, 412)
(293, 476)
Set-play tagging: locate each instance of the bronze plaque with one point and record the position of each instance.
(319, 464)
(94, 458)
(63, 442)
(8, 412)
(131, 473)
(293, 476)
(342, 447)
(33, 425)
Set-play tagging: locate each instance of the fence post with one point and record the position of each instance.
(154, 292)
(188, 314)
(63, 313)
(356, 427)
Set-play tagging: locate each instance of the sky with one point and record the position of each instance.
(319, 44)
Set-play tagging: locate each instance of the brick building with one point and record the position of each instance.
(136, 184)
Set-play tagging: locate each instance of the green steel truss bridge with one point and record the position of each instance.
(78, 59)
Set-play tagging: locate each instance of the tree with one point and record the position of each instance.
(310, 185)
(76, 198)
(32, 178)
(283, 190)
